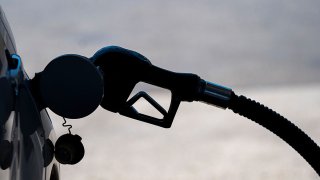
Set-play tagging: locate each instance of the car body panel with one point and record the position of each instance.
(26, 149)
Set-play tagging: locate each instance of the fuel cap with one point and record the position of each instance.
(71, 86)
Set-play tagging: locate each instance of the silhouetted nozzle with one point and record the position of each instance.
(123, 69)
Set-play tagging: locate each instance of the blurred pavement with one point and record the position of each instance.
(204, 142)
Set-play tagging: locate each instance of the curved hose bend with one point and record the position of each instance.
(280, 126)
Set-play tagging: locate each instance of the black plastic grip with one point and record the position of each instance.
(185, 86)
(123, 69)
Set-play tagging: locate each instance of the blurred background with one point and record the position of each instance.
(265, 49)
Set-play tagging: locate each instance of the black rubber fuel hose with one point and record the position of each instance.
(280, 126)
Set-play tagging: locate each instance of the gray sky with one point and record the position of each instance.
(234, 43)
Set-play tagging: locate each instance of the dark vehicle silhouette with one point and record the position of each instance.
(26, 139)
